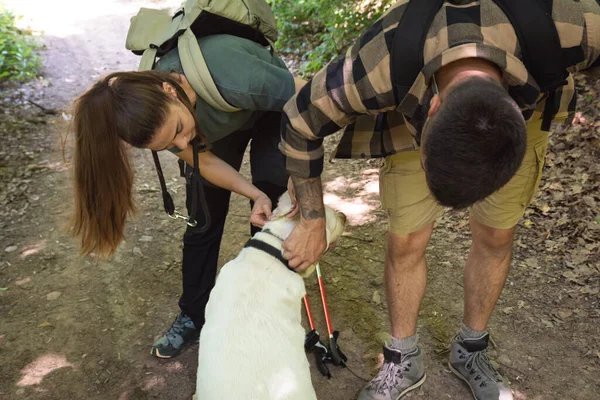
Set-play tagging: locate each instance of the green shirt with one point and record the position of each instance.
(246, 74)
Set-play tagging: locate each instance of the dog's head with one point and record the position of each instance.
(282, 226)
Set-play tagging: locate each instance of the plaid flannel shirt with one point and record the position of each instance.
(354, 92)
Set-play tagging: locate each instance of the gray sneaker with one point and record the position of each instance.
(181, 332)
(399, 374)
(469, 361)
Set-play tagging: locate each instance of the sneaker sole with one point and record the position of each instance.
(455, 372)
(413, 387)
(156, 353)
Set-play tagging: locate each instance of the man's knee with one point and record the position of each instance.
(410, 246)
(492, 240)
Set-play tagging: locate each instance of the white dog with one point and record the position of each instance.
(252, 344)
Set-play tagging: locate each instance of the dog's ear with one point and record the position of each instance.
(284, 206)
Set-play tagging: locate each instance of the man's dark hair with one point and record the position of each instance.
(474, 143)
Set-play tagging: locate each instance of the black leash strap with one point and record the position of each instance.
(196, 188)
(270, 250)
(167, 199)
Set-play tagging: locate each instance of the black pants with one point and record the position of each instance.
(201, 250)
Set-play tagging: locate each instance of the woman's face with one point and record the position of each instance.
(177, 131)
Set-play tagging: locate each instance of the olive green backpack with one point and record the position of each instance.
(154, 32)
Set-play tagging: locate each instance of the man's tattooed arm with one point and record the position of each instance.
(309, 195)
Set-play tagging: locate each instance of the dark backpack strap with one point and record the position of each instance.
(540, 46)
(409, 40)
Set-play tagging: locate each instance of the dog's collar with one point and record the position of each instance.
(269, 232)
(269, 249)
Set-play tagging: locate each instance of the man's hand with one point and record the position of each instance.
(261, 212)
(306, 244)
(308, 240)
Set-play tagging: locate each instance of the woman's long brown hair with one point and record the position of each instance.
(124, 107)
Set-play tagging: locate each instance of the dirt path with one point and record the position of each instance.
(77, 328)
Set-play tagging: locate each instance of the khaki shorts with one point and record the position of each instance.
(410, 205)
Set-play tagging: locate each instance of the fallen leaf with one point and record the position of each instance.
(10, 249)
(589, 200)
(45, 323)
(507, 310)
(3, 289)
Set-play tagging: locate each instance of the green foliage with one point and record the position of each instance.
(317, 31)
(18, 60)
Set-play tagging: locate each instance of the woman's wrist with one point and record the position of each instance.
(257, 194)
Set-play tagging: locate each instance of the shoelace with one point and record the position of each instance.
(390, 374)
(481, 361)
(176, 327)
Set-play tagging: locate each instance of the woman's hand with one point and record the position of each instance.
(261, 212)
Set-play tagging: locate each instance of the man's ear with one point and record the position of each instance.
(170, 90)
(434, 105)
(284, 206)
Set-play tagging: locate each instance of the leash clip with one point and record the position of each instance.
(178, 215)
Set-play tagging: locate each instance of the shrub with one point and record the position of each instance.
(316, 31)
(18, 60)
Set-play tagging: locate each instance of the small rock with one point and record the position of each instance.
(504, 360)
(20, 392)
(508, 310)
(382, 337)
(547, 323)
(10, 249)
(146, 238)
(137, 251)
(53, 295)
(376, 298)
(377, 282)
(564, 314)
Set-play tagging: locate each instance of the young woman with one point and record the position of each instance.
(159, 110)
